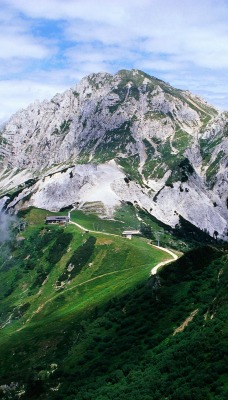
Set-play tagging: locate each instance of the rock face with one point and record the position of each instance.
(127, 137)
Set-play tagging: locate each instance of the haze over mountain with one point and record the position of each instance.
(127, 137)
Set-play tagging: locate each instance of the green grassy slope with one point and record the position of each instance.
(130, 216)
(131, 351)
(56, 275)
(107, 331)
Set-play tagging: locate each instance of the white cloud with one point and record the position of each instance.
(18, 94)
(17, 41)
(107, 56)
(109, 11)
(21, 47)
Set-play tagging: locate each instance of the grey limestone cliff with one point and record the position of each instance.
(124, 137)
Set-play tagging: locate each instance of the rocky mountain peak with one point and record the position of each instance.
(170, 145)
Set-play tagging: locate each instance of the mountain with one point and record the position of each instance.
(81, 316)
(111, 139)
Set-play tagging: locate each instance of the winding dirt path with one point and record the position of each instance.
(71, 288)
(174, 257)
(86, 229)
(91, 231)
(153, 271)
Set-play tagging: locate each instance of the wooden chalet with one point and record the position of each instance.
(128, 234)
(57, 219)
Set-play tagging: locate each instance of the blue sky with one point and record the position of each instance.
(49, 45)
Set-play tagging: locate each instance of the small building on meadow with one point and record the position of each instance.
(128, 234)
(57, 219)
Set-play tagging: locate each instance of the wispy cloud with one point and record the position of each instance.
(49, 45)
(17, 94)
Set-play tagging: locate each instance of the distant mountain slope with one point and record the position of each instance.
(127, 137)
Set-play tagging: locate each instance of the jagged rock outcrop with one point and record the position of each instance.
(127, 137)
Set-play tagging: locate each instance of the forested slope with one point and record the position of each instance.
(111, 333)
